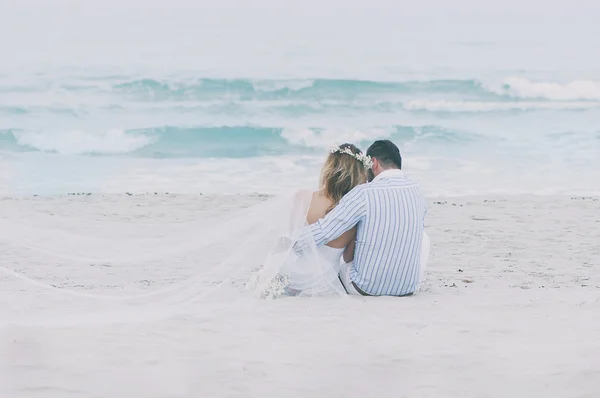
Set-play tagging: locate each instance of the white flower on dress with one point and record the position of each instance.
(277, 287)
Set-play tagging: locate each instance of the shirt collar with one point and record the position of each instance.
(389, 174)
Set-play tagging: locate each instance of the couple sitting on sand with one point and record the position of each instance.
(370, 215)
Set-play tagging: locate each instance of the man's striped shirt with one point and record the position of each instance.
(390, 212)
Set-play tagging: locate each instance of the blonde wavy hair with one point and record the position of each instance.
(342, 172)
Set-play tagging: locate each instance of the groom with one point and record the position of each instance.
(389, 212)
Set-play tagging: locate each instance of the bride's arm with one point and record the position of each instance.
(349, 250)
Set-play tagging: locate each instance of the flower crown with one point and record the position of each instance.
(361, 157)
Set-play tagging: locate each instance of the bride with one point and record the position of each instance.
(316, 273)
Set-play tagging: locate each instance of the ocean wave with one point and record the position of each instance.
(517, 87)
(319, 138)
(207, 89)
(41, 110)
(253, 111)
(213, 89)
(282, 85)
(495, 106)
(323, 138)
(74, 142)
(14, 110)
(244, 141)
(217, 142)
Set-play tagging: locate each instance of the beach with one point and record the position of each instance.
(141, 141)
(509, 308)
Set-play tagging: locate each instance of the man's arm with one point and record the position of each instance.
(351, 209)
(344, 216)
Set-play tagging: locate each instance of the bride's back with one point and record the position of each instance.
(318, 209)
(341, 172)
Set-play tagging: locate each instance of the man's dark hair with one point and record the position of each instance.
(387, 153)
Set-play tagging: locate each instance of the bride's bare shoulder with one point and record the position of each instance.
(320, 198)
(318, 206)
(303, 197)
(303, 193)
(307, 194)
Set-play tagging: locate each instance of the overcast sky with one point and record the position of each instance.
(85, 32)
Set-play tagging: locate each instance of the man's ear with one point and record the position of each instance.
(375, 164)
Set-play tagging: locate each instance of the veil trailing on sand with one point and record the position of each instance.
(61, 271)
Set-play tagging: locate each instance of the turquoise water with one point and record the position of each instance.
(479, 102)
(481, 130)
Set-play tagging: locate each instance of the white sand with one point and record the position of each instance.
(511, 308)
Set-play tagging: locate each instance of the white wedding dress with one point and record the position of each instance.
(303, 278)
(298, 277)
(68, 267)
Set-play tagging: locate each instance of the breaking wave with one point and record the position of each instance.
(217, 142)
